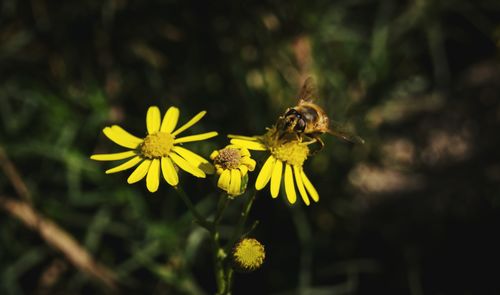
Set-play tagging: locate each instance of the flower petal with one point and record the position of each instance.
(251, 138)
(244, 152)
(249, 162)
(196, 137)
(251, 145)
(170, 120)
(310, 188)
(153, 120)
(168, 171)
(139, 172)
(186, 166)
(153, 178)
(235, 184)
(265, 173)
(276, 178)
(298, 179)
(127, 165)
(291, 195)
(113, 157)
(195, 159)
(224, 180)
(121, 137)
(190, 123)
(214, 154)
(243, 169)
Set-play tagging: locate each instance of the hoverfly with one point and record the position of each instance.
(308, 120)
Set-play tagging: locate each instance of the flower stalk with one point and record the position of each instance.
(197, 216)
(222, 269)
(222, 265)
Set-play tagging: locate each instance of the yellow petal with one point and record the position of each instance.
(235, 184)
(243, 169)
(194, 159)
(184, 165)
(153, 178)
(244, 152)
(121, 137)
(168, 171)
(153, 119)
(289, 186)
(127, 165)
(251, 145)
(224, 179)
(242, 137)
(265, 173)
(139, 172)
(214, 155)
(196, 137)
(298, 179)
(249, 162)
(276, 178)
(310, 188)
(170, 120)
(113, 157)
(190, 123)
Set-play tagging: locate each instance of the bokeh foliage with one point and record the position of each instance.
(413, 211)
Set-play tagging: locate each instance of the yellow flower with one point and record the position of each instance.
(287, 158)
(159, 150)
(232, 164)
(248, 254)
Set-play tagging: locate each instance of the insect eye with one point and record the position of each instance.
(300, 126)
(291, 112)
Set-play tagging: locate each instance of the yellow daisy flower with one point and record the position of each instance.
(287, 158)
(232, 164)
(159, 150)
(248, 254)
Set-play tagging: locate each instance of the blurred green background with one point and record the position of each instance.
(415, 210)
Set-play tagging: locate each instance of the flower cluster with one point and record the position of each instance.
(160, 152)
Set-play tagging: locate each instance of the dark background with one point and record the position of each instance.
(415, 210)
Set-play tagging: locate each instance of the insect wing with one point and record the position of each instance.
(339, 131)
(308, 92)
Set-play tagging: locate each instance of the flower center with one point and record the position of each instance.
(228, 158)
(157, 145)
(249, 254)
(292, 152)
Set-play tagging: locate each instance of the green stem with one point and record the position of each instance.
(223, 275)
(254, 225)
(229, 279)
(220, 256)
(223, 202)
(199, 218)
(223, 270)
(241, 222)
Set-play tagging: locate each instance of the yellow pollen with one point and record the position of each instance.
(157, 145)
(291, 151)
(228, 158)
(249, 254)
